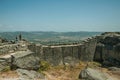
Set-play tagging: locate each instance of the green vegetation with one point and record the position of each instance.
(7, 68)
(44, 65)
(94, 64)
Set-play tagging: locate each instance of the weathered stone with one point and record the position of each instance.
(65, 53)
(25, 60)
(109, 52)
(32, 47)
(29, 75)
(88, 50)
(92, 74)
(75, 50)
(98, 56)
(48, 54)
(60, 54)
(57, 55)
(3, 40)
(9, 48)
(114, 69)
(4, 65)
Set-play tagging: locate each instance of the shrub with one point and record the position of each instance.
(44, 65)
(7, 68)
(94, 64)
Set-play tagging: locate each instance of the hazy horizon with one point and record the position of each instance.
(60, 15)
(58, 31)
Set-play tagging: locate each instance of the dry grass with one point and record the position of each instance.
(9, 74)
(64, 72)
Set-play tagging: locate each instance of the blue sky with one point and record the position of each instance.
(60, 15)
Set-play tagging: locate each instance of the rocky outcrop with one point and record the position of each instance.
(25, 60)
(4, 65)
(98, 56)
(3, 40)
(88, 49)
(10, 48)
(114, 69)
(108, 49)
(20, 59)
(92, 74)
(29, 75)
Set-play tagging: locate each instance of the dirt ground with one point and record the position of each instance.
(61, 73)
(9, 75)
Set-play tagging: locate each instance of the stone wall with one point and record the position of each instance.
(88, 49)
(10, 48)
(62, 54)
(104, 49)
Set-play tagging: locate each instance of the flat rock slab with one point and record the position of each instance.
(93, 74)
(30, 75)
(16, 54)
(26, 60)
(20, 54)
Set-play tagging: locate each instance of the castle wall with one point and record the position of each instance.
(62, 54)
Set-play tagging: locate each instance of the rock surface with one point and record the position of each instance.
(10, 48)
(114, 69)
(29, 75)
(3, 65)
(25, 60)
(108, 49)
(92, 74)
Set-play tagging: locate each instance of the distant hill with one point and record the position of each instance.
(50, 37)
